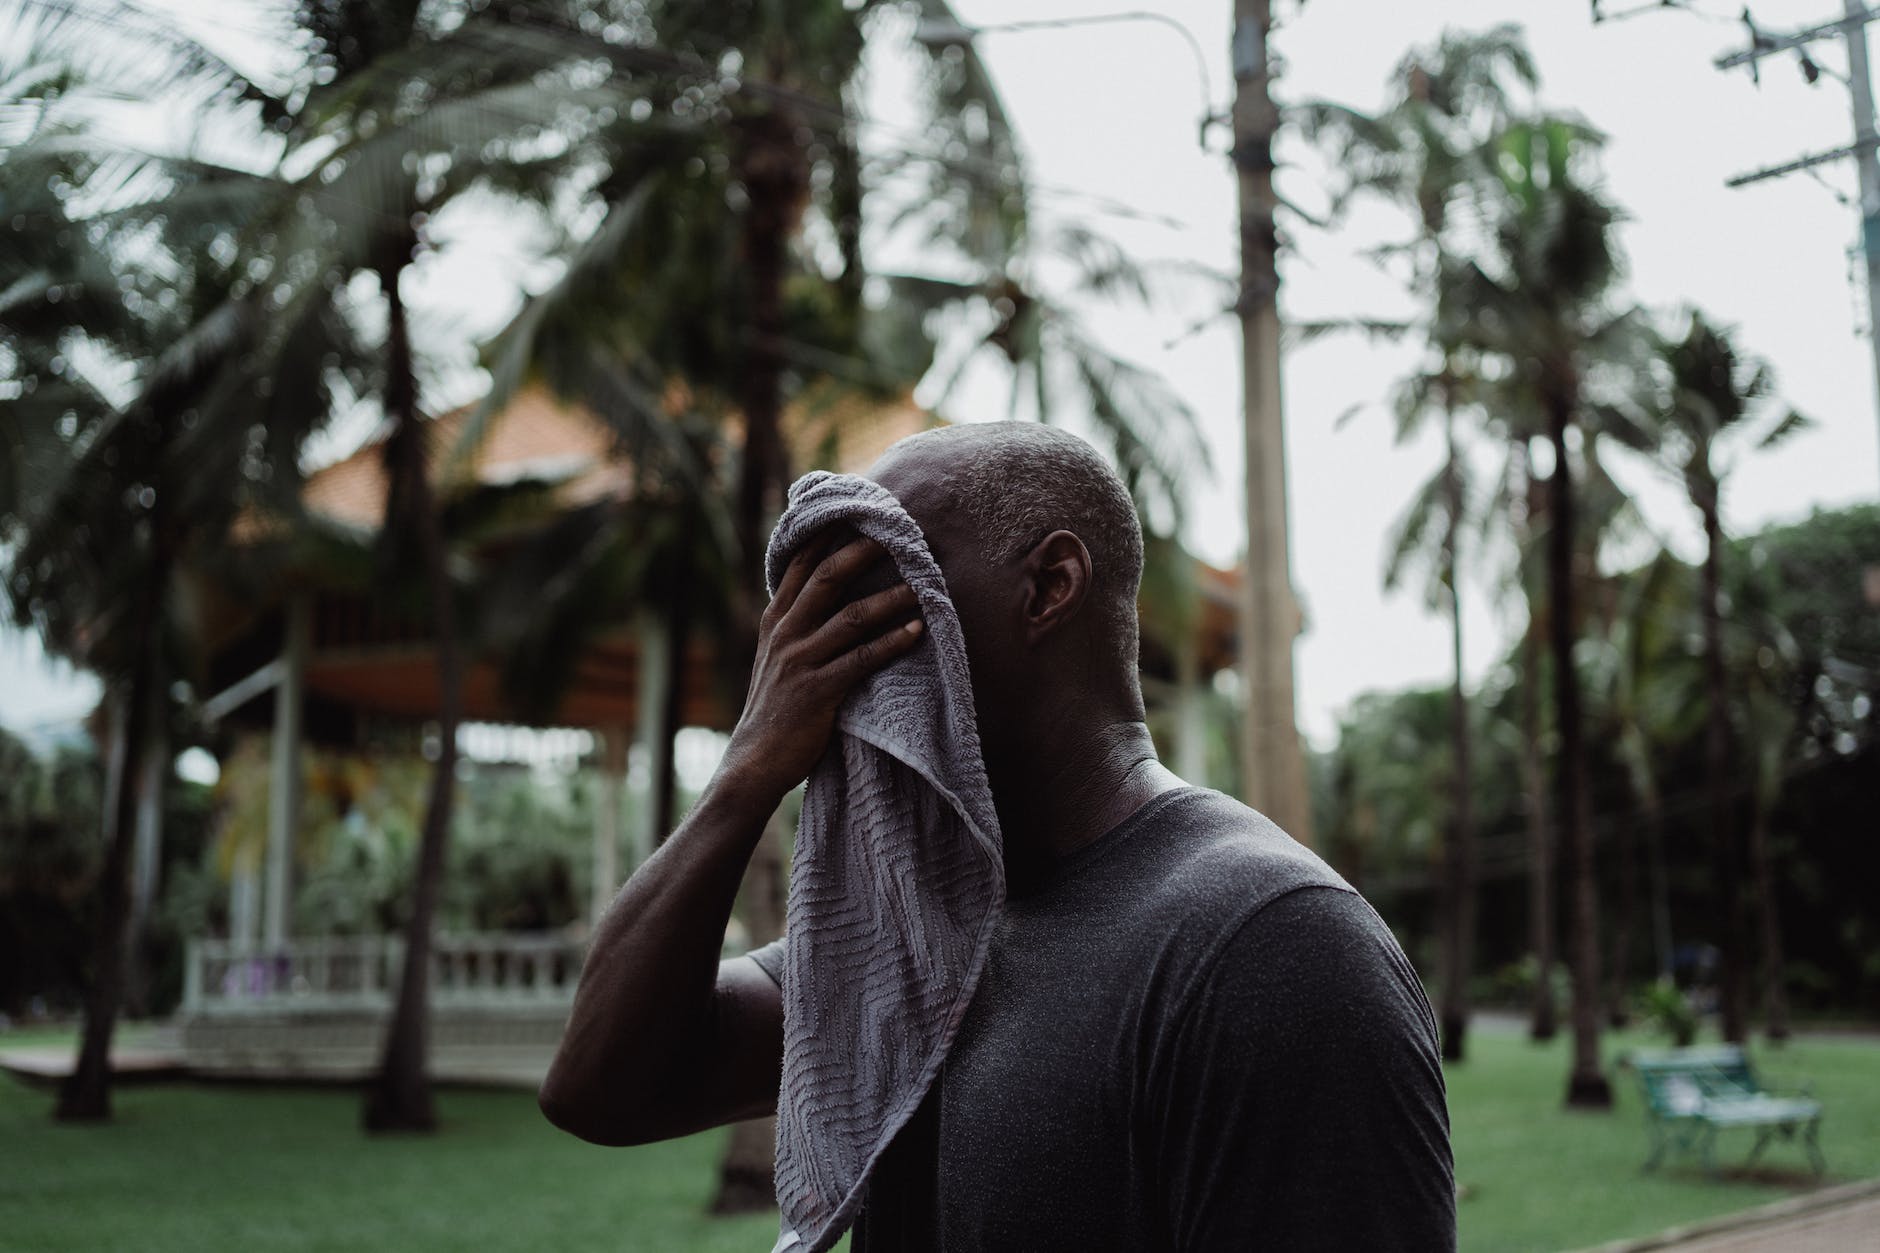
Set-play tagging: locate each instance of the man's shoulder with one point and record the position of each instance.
(1197, 871)
(1270, 925)
(1213, 850)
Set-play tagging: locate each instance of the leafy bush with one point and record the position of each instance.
(1665, 1009)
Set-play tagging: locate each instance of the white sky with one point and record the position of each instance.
(1111, 110)
(1109, 113)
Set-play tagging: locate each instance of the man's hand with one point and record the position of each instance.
(812, 650)
(663, 1040)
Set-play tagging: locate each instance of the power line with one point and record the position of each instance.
(1763, 45)
(1851, 28)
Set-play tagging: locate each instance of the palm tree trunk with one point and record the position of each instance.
(1717, 771)
(772, 168)
(85, 1094)
(146, 867)
(1775, 997)
(399, 1098)
(1619, 1005)
(1459, 855)
(1661, 879)
(1543, 1014)
(1586, 1085)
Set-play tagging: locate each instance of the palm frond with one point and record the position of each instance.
(1792, 423)
(1374, 330)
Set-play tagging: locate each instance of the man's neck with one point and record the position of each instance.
(1085, 776)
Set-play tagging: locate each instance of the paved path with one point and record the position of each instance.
(1841, 1219)
(1851, 1227)
(45, 1063)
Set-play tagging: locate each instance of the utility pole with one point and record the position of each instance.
(1852, 28)
(1272, 763)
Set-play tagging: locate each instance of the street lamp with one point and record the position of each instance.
(939, 33)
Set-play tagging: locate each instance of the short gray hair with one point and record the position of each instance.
(1020, 481)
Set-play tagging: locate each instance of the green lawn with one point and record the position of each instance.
(195, 1169)
(232, 1168)
(1538, 1177)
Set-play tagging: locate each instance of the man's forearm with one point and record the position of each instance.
(658, 1044)
(640, 1034)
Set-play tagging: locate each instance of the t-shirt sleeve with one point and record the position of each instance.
(769, 959)
(1303, 1095)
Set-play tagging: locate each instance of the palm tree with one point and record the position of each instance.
(1429, 535)
(1716, 397)
(397, 111)
(1424, 152)
(1530, 512)
(1769, 734)
(129, 340)
(1644, 691)
(1538, 294)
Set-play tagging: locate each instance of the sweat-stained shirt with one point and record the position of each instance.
(1190, 1035)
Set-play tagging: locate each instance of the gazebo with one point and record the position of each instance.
(316, 659)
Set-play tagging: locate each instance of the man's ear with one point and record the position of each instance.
(1057, 576)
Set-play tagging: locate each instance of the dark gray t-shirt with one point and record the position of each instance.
(1192, 1035)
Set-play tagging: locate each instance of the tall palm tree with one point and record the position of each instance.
(1769, 726)
(1539, 293)
(1429, 534)
(1717, 398)
(124, 332)
(1423, 152)
(397, 110)
(1644, 690)
(129, 338)
(1529, 511)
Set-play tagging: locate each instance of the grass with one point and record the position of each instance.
(1537, 1176)
(189, 1167)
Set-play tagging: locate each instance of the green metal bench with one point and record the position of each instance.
(1692, 1094)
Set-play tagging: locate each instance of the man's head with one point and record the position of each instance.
(1042, 552)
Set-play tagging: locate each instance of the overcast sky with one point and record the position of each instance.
(1107, 116)
(1111, 110)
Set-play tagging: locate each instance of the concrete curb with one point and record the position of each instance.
(1746, 1220)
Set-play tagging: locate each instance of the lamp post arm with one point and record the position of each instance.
(964, 34)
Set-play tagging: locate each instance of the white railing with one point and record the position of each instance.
(355, 973)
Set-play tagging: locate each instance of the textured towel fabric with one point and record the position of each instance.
(897, 883)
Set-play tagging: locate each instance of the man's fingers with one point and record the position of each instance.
(860, 619)
(871, 655)
(795, 575)
(823, 590)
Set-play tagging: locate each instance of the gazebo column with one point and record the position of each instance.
(656, 676)
(613, 782)
(285, 776)
(244, 891)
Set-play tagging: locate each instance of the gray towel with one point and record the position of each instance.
(897, 883)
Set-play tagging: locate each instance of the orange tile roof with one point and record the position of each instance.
(533, 436)
(538, 436)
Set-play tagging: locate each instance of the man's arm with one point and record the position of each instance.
(1303, 1104)
(664, 1040)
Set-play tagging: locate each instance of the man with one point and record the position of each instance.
(1190, 1033)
